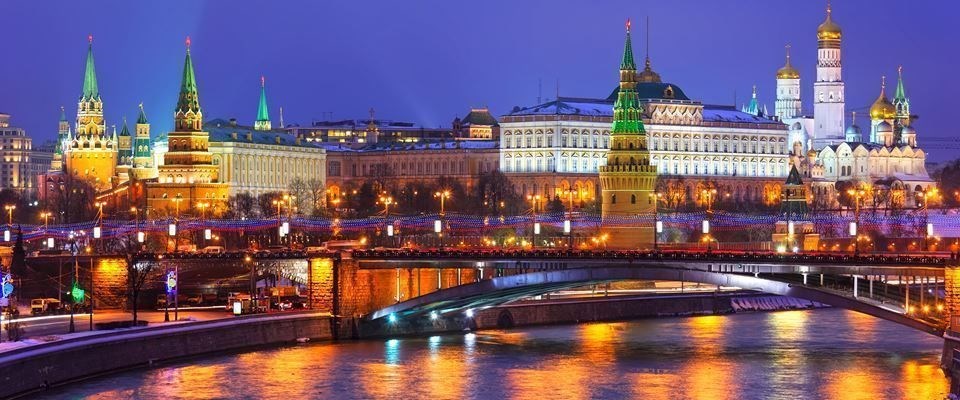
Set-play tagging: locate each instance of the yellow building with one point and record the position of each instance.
(188, 176)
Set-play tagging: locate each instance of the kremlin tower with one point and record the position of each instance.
(263, 115)
(828, 102)
(628, 180)
(188, 173)
(91, 154)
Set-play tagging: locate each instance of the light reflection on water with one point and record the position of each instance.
(829, 354)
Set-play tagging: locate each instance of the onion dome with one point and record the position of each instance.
(788, 71)
(853, 130)
(882, 108)
(829, 30)
(884, 126)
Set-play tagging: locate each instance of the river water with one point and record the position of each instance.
(821, 354)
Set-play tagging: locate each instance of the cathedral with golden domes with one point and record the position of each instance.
(885, 162)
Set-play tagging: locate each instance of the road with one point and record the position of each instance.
(34, 327)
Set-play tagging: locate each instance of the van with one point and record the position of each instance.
(44, 306)
(213, 250)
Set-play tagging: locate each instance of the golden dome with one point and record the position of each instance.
(788, 71)
(829, 30)
(883, 108)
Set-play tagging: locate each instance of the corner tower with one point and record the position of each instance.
(828, 102)
(263, 114)
(91, 154)
(627, 181)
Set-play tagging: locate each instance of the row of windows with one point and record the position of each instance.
(728, 168)
(706, 144)
(402, 168)
(540, 141)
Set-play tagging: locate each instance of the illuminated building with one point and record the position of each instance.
(477, 124)
(188, 174)
(889, 163)
(560, 145)
(628, 179)
(91, 154)
(348, 166)
(355, 131)
(17, 170)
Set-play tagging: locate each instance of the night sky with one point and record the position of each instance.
(428, 61)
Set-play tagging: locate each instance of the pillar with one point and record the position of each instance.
(320, 284)
(951, 289)
(855, 294)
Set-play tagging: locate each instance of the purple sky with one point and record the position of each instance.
(428, 61)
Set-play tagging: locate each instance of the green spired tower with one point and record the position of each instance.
(628, 180)
(263, 115)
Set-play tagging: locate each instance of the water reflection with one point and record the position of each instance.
(829, 354)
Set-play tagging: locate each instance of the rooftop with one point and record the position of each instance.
(222, 130)
(388, 146)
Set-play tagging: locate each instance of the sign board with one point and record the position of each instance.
(7, 286)
(171, 281)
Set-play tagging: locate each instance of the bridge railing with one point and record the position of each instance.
(719, 256)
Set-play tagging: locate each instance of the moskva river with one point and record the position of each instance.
(822, 354)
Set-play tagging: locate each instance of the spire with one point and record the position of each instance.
(63, 115)
(626, 109)
(901, 92)
(263, 114)
(188, 100)
(142, 118)
(124, 131)
(90, 90)
(647, 75)
(627, 62)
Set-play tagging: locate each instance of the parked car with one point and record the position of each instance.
(44, 306)
(213, 250)
(161, 301)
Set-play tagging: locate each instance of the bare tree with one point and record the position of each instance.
(317, 195)
(300, 192)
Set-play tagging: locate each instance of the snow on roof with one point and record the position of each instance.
(386, 146)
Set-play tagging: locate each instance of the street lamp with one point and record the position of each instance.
(438, 225)
(10, 208)
(534, 204)
(46, 216)
(857, 195)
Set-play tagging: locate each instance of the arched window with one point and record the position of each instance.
(633, 199)
(613, 199)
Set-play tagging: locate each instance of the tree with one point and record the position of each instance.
(317, 195)
(72, 196)
(301, 201)
(18, 266)
(243, 204)
(266, 203)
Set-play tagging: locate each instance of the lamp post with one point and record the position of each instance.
(857, 195)
(568, 224)
(925, 196)
(172, 229)
(46, 217)
(442, 195)
(708, 197)
(534, 204)
(10, 208)
(387, 201)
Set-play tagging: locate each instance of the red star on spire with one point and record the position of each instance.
(188, 42)
(628, 24)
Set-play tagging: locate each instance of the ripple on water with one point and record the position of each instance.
(828, 354)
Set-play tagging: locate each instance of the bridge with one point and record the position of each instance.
(402, 291)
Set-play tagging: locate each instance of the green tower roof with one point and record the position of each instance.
(627, 62)
(901, 92)
(142, 118)
(188, 99)
(124, 131)
(90, 90)
(263, 114)
(626, 109)
(794, 177)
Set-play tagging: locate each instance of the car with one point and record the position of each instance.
(161, 301)
(195, 300)
(213, 250)
(44, 306)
